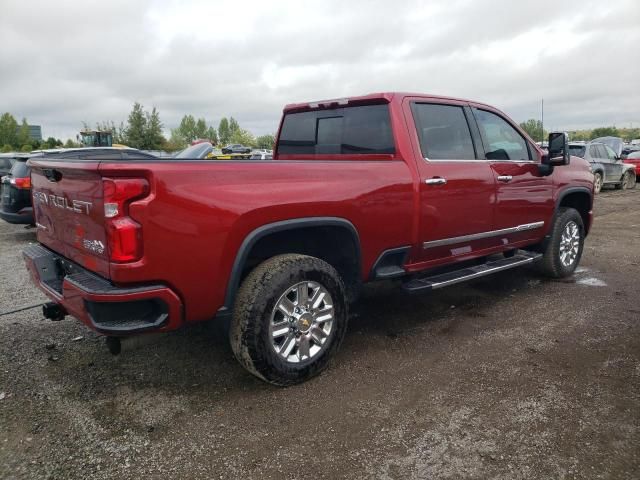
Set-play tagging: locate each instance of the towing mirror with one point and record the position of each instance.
(558, 149)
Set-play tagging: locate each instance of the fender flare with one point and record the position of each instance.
(255, 235)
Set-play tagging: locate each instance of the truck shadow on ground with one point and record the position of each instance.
(195, 369)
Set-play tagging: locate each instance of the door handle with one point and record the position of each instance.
(436, 181)
(505, 178)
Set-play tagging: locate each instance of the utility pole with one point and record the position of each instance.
(542, 121)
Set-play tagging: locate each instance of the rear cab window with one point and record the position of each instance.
(356, 130)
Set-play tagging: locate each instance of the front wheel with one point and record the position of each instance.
(565, 246)
(289, 319)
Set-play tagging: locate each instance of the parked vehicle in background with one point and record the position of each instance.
(633, 158)
(199, 150)
(628, 149)
(607, 167)
(261, 156)
(16, 206)
(16, 193)
(6, 162)
(429, 190)
(236, 148)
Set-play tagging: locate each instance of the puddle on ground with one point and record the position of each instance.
(592, 282)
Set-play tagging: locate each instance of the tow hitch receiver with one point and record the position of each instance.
(53, 311)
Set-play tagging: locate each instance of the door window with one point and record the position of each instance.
(611, 155)
(443, 132)
(501, 140)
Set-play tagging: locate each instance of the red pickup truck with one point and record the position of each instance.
(428, 189)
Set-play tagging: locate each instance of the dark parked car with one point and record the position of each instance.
(607, 167)
(236, 148)
(16, 204)
(16, 193)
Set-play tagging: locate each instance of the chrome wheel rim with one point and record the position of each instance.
(301, 322)
(569, 244)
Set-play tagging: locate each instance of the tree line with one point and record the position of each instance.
(534, 128)
(144, 130)
(14, 136)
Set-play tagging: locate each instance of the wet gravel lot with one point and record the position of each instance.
(511, 376)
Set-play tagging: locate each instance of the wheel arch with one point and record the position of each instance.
(332, 239)
(579, 198)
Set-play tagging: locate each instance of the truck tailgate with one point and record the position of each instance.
(69, 212)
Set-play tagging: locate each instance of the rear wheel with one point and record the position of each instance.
(628, 180)
(289, 319)
(564, 249)
(597, 182)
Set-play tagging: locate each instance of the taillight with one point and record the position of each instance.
(123, 233)
(23, 183)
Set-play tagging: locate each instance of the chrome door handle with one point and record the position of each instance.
(436, 181)
(505, 178)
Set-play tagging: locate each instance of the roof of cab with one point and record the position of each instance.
(384, 97)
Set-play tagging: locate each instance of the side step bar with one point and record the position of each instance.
(464, 274)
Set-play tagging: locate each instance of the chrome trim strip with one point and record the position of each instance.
(483, 273)
(479, 236)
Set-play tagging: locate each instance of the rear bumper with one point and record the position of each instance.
(24, 216)
(98, 303)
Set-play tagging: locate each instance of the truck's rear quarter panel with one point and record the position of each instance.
(199, 212)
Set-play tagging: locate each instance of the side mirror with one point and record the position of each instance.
(558, 149)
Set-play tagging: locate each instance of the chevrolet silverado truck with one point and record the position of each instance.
(428, 190)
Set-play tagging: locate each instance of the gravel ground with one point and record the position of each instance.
(511, 376)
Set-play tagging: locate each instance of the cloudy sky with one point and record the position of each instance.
(66, 62)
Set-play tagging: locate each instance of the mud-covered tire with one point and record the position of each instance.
(552, 263)
(628, 181)
(250, 337)
(597, 182)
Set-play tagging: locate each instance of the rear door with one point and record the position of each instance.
(524, 198)
(457, 188)
(69, 212)
(615, 165)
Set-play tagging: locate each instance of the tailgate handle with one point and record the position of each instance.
(52, 174)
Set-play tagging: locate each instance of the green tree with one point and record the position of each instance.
(534, 128)
(604, 132)
(71, 144)
(223, 131)
(266, 141)
(212, 135)
(50, 143)
(201, 129)
(136, 127)
(153, 138)
(24, 138)
(243, 137)
(26, 148)
(234, 126)
(6, 148)
(8, 130)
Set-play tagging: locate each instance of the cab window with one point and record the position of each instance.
(501, 141)
(443, 132)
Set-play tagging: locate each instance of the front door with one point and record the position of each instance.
(524, 198)
(457, 190)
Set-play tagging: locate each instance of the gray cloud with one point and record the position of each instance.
(68, 62)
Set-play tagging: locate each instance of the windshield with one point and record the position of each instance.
(201, 150)
(577, 150)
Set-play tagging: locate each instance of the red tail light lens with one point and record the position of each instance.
(23, 183)
(123, 233)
